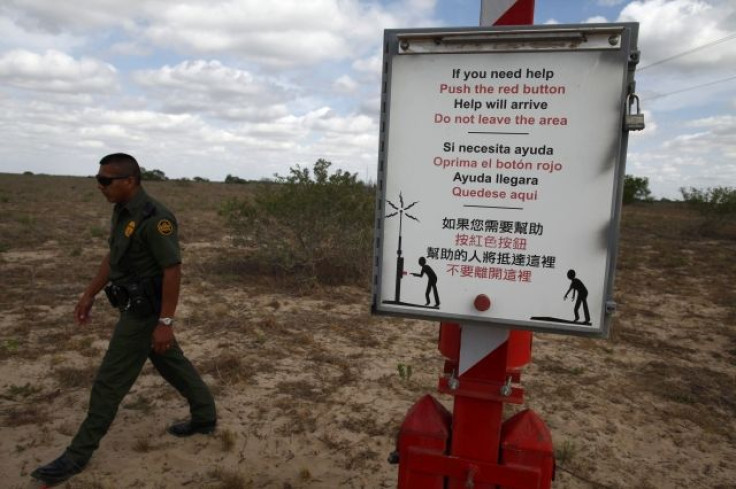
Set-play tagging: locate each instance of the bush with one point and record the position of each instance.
(308, 225)
(233, 179)
(153, 175)
(716, 204)
(636, 189)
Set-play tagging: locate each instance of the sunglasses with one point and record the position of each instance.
(107, 181)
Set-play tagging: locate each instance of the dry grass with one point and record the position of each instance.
(227, 479)
(75, 378)
(25, 414)
(227, 439)
(227, 368)
(311, 388)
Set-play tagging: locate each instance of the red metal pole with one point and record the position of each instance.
(521, 12)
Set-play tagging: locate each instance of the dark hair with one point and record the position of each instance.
(126, 163)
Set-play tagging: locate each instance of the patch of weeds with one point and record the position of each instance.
(23, 391)
(565, 390)
(565, 453)
(405, 372)
(11, 345)
(361, 459)
(260, 337)
(25, 415)
(97, 232)
(681, 396)
(227, 368)
(363, 335)
(300, 421)
(4, 247)
(646, 484)
(726, 297)
(70, 377)
(366, 425)
(227, 479)
(82, 345)
(348, 375)
(333, 444)
(26, 220)
(697, 393)
(689, 385)
(305, 475)
(57, 360)
(227, 440)
(67, 428)
(634, 336)
(142, 445)
(140, 403)
(556, 367)
(300, 390)
(323, 356)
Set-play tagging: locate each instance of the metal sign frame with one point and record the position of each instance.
(416, 52)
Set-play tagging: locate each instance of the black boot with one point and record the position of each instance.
(57, 471)
(189, 428)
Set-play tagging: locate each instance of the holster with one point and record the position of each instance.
(141, 297)
(117, 296)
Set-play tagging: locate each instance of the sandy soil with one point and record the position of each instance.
(308, 385)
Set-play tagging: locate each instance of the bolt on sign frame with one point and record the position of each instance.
(500, 173)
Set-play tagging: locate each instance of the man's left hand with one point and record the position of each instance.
(163, 337)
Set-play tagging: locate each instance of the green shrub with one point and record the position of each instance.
(153, 175)
(716, 204)
(308, 225)
(636, 189)
(233, 179)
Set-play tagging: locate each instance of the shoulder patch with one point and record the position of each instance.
(165, 227)
(129, 228)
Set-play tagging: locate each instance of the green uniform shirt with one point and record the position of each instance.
(143, 239)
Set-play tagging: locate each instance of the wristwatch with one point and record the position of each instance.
(166, 321)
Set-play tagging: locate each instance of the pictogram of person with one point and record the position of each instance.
(577, 288)
(431, 281)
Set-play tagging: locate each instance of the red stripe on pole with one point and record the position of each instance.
(521, 13)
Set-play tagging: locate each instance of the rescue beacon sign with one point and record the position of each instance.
(500, 174)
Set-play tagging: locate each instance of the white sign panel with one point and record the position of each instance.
(499, 177)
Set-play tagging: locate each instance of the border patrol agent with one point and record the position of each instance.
(141, 276)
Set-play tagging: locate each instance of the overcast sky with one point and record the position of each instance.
(252, 87)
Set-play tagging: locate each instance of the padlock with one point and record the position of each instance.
(633, 122)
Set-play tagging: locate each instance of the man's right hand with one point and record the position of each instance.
(81, 310)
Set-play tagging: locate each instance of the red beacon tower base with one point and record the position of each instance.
(475, 448)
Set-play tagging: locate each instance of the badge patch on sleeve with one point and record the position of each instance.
(165, 227)
(129, 229)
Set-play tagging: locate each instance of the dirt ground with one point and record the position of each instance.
(311, 388)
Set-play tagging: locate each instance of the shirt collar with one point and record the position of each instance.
(134, 205)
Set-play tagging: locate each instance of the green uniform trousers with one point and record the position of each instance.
(129, 348)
